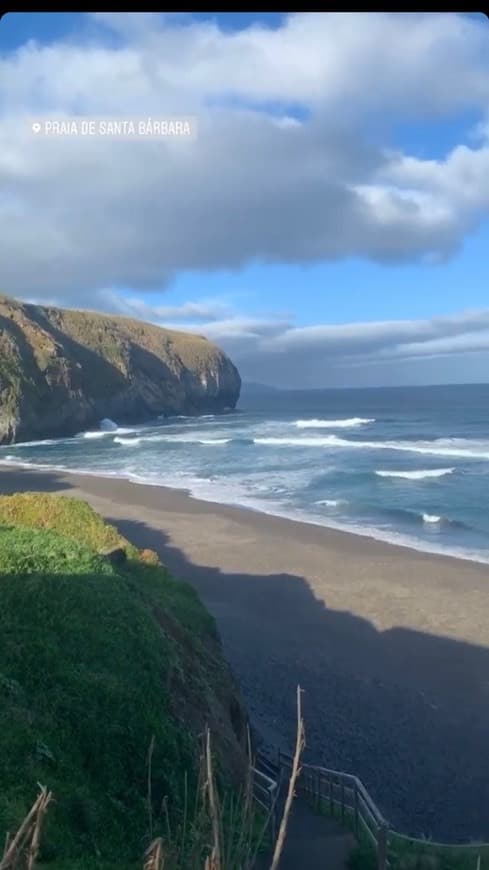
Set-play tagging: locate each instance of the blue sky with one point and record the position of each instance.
(354, 289)
(340, 178)
(47, 27)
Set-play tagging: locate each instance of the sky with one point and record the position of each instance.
(327, 223)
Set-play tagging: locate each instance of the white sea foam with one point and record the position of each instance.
(186, 439)
(457, 447)
(330, 502)
(93, 435)
(431, 518)
(104, 433)
(46, 443)
(463, 448)
(196, 417)
(348, 423)
(297, 442)
(127, 442)
(18, 463)
(417, 475)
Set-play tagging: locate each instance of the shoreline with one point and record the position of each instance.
(389, 644)
(415, 545)
(341, 540)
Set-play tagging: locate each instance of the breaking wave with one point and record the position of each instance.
(417, 475)
(46, 443)
(431, 518)
(455, 447)
(348, 423)
(108, 425)
(92, 435)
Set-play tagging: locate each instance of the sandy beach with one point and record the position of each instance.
(390, 645)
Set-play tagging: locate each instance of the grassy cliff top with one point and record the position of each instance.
(95, 660)
(104, 334)
(69, 517)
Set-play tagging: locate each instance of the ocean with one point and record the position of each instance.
(406, 465)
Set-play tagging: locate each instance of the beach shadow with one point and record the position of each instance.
(407, 712)
(24, 480)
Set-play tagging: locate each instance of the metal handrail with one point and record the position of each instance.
(265, 793)
(363, 807)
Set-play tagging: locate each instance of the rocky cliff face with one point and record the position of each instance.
(62, 371)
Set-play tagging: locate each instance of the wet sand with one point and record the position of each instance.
(391, 646)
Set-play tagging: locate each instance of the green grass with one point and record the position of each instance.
(94, 661)
(406, 854)
(413, 855)
(70, 517)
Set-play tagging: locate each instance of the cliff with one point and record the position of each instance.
(62, 371)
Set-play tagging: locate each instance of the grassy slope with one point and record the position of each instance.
(95, 660)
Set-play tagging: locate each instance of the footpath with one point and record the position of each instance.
(313, 841)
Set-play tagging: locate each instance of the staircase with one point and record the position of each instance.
(313, 841)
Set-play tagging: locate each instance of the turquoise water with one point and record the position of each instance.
(407, 465)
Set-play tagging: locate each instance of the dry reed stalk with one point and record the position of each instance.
(149, 793)
(299, 747)
(215, 857)
(30, 827)
(185, 813)
(154, 858)
(36, 835)
(247, 812)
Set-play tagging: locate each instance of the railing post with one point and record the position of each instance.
(382, 847)
(273, 811)
(342, 800)
(355, 808)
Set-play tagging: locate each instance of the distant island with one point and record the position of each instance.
(63, 370)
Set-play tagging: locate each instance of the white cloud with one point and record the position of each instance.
(278, 352)
(205, 309)
(363, 337)
(462, 178)
(327, 59)
(79, 215)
